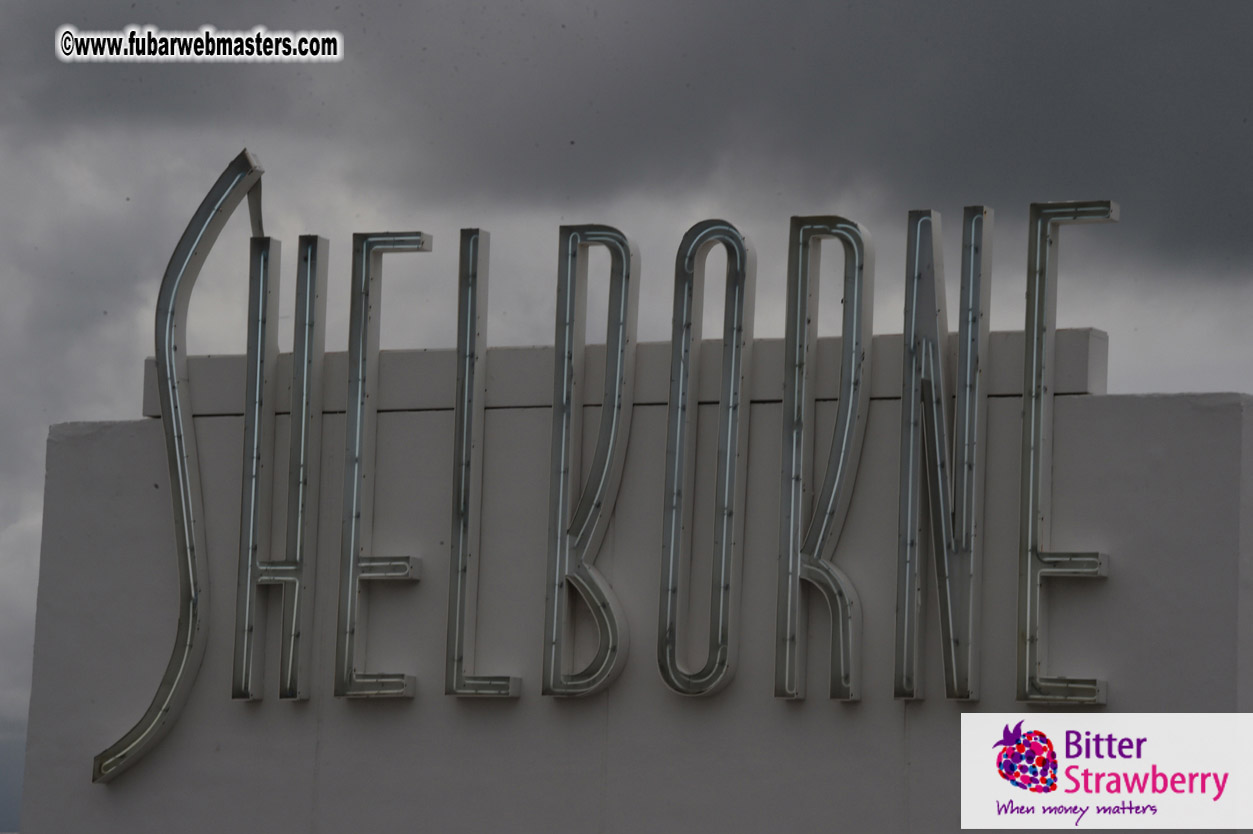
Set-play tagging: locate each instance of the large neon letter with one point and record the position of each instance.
(294, 573)
(467, 476)
(357, 563)
(576, 529)
(242, 177)
(1035, 561)
(733, 411)
(808, 528)
(954, 482)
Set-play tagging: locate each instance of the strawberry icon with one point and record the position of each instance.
(1027, 760)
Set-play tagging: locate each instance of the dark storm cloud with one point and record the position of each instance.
(932, 103)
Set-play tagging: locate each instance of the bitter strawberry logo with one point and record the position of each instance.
(1027, 760)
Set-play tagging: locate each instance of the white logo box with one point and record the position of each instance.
(1114, 770)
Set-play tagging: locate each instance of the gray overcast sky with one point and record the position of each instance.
(648, 115)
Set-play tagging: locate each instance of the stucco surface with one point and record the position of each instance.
(1158, 482)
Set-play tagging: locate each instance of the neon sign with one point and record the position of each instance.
(942, 460)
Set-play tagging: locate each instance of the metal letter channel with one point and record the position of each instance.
(357, 564)
(294, 574)
(467, 477)
(242, 177)
(575, 530)
(808, 529)
(954, 504)
(730, 484)
(1035, 561)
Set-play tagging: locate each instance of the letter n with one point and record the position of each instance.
(951, 516)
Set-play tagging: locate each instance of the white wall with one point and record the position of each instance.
(1160, 483)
